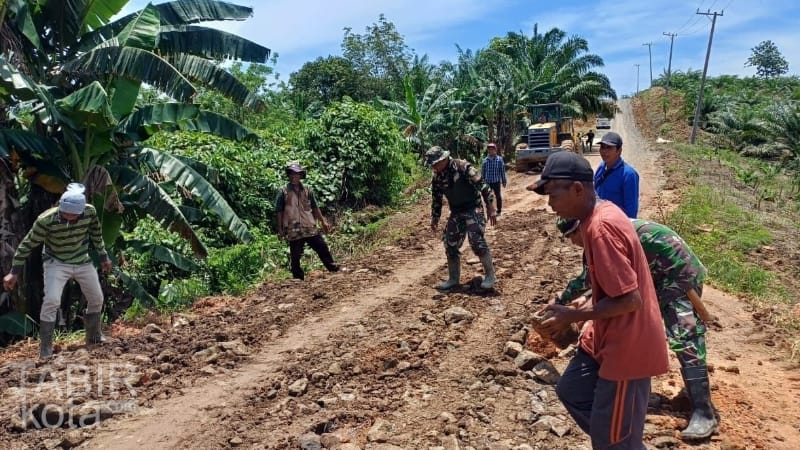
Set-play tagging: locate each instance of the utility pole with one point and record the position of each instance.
(637, 79)
(705, 70)
(669, 64)
(650, 53)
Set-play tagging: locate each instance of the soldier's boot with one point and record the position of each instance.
(91, 321)
(488, 271)
(46, 330)
(454, 274)
(703, 422)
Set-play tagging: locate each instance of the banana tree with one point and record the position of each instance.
(420, 117)
(73, 101)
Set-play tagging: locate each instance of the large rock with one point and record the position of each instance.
(299, 387)
(512, 349)
(310, 441)
(457, 314)
(526, 360)
(546, 372)
(380, 432)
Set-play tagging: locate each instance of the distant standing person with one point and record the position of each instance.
(615, 180)
(493, 171)
(589, 140)
(298, 214)
(65, 232)
(463, 187)
(606, 386)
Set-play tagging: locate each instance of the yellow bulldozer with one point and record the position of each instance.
(546, 131)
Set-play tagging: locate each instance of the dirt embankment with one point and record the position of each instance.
(375, 358)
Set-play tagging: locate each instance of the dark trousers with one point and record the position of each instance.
(612, 413)
(318, 244)
(498, 197)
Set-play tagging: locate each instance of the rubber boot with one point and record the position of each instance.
(488, 271)
(704, 421)
(91, 321)
(46, 330)
(454, 271)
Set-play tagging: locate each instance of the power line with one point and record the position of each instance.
(705, 70)
(682, 27)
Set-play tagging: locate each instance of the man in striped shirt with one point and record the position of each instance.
(65, 232)
(493, 171)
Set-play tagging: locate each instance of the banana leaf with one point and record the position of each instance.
(148, 195)
(181, 12)
(163, 254)
(89, 106)
(141, 32)
(135, 288)
(135, 64)
(187, 177)
(210, 43)
(215, 77)
(150, 119)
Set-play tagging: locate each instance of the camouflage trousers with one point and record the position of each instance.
(470, 224)
(685, 330)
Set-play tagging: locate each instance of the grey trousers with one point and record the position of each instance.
(612, 413)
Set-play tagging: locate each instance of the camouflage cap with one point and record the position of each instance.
(295, 167)
(434, 155)
(567, 226)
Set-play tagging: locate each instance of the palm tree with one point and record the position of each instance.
(72, 111)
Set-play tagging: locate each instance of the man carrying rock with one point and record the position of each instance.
(65, 232)
(606, 386)
(461, 184)
(676, 271)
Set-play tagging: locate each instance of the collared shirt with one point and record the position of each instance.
(619, 185)
(493, 169)
(66, 241)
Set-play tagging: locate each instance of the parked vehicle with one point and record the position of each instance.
(603, 123)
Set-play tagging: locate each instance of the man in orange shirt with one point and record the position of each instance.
(606, 386)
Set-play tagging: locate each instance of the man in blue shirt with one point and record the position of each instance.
(493, 172)
(615, 180)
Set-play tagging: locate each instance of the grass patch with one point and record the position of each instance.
(722, 234)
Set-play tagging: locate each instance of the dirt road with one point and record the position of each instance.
(377, 358)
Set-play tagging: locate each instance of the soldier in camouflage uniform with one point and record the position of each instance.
(675, 270)
(461, 183)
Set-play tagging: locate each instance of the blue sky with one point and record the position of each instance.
(301, 31)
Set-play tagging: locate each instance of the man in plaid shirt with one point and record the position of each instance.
(493, 172)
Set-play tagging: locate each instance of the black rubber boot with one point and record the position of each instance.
(704, 420)
(453, 274)
(46, 330)
(489, 278)
(91, 322)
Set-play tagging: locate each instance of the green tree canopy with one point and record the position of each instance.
(768, 60)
